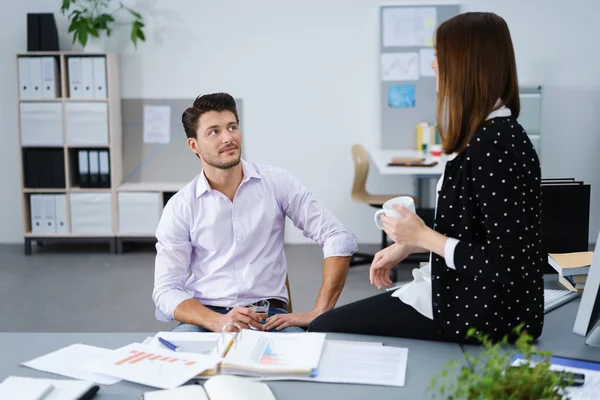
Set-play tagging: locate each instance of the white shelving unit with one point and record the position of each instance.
(70, 186)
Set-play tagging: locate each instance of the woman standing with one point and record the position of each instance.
(486, 260)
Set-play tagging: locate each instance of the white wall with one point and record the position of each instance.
(308, 71)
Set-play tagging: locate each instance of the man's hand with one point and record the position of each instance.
(242, 316)
(282, 321)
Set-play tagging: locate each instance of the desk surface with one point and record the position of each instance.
(558, 337)
(425, 360)
(381, 158)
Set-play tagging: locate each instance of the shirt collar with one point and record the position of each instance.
(500, 112)
(248, 172)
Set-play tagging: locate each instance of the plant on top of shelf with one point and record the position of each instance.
(489, 375)
(89, 18)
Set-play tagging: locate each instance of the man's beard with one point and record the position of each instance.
(222, 164)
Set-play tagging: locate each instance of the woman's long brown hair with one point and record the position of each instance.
(476, 68)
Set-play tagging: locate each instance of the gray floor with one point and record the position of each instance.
(85, 289)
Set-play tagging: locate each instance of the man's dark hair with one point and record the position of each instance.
(203, 104)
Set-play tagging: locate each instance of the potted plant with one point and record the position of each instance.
(490, 376)
(91, 22)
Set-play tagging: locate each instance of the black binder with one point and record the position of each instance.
(565, 215)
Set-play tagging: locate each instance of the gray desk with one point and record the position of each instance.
(558, 336)
(425, 359)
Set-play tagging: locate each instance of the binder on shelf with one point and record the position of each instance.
(86, 124)
(50, 79)
(35, 77)
(104, 169)
(36, 208)
(41, 124)
(84, 169)
(94, 169)
(49, 216)
(24, 79)
(74, 65)
(87, 78)
(60, 213)
(99, 68)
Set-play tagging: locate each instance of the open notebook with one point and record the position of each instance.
(218, 388)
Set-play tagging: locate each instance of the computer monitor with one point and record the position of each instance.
(589, 308)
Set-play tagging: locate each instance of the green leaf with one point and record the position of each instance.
(141, 35)
(65, 6)
(83, 37)
(135, 14)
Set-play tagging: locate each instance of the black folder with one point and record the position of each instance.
(565, 215)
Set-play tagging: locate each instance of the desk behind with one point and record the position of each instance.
(558, 337)
(425, 360)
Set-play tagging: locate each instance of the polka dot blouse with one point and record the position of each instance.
(490, 202)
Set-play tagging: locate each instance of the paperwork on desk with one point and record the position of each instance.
(272, 353)
(590, 389)
(69, 361)
(152, 366)
(368, 363)
(22, 388)
(360, 363)
(193, 342)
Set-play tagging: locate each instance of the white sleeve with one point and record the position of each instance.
(449, 248)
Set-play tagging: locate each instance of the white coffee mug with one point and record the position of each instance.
(388, 208)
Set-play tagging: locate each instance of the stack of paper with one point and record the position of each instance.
(70, 362)
(360, 363)
(271, 353)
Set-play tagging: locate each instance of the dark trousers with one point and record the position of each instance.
(381, 315)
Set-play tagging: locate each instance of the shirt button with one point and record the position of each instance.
(239, 239)
(435, 304)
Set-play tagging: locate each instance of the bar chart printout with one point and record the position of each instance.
(151, 366)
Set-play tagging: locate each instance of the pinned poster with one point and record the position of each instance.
(426, 57)
(409, 26)
(401, 96)
(399, 66)
(157, 124)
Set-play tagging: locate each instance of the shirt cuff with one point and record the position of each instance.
(168, 303)
(341, 245)
(449, 248)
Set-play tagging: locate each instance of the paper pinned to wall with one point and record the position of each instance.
(409, 26)
(399, 66)
(157, 124)
(401, 96)
(426, 57)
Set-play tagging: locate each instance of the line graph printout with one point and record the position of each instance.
(151, 366)
(400, 66)
(409, 26)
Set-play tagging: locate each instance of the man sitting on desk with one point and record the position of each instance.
(221, 237)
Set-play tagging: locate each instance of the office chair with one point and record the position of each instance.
(360, 157)
(287, 285)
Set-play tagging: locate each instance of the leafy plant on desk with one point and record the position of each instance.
(488, 375)
(90, 17)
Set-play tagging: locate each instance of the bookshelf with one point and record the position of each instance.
(53, 158)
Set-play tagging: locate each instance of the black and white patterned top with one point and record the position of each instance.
(490, 202)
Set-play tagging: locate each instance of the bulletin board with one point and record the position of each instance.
(407, 82)
(159, 162)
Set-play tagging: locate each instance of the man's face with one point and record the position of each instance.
(218, 139)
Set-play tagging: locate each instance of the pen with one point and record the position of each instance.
(168, 344)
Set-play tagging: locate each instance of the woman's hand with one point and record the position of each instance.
(384, 261)
(409, 230)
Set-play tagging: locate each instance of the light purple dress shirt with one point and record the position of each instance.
(229, 254)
